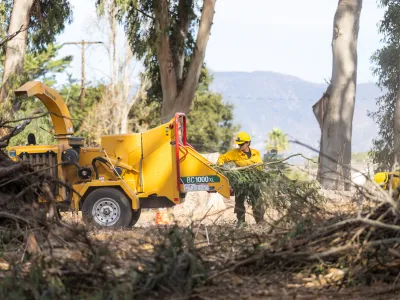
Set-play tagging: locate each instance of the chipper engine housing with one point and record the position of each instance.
(110, 184)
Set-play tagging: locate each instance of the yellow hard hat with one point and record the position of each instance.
(242, 137)
(381, 178)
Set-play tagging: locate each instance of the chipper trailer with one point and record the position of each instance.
(112, 183)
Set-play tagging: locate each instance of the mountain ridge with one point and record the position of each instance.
(265, 99)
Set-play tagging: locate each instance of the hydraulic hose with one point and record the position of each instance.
(100, 159)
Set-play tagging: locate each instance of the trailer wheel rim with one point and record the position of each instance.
(106, 212)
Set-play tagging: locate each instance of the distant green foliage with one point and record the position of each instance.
(144, 115)
(277, 140)
(297, 175)
(42, 66)
(71, 92)
(41, 127)
(387, 68)
(360, 156)
(3, 19)
(47, 20)
(210, 121)
(141, 29)
(356, 157)
(210, 126)
(45, 65)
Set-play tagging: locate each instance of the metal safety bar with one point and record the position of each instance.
(178, 144)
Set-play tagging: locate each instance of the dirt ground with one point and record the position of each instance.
(245, 284)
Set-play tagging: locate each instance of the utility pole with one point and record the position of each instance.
(82, 43)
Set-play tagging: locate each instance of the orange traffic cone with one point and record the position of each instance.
(162, 217)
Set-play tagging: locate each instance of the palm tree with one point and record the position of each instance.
(277, 141)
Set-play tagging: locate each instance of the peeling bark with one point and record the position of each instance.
(164, 55)
(319, 110)
(14, 62)
(181, 32)
(397, 130)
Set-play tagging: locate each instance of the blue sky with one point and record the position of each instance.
(286, 36)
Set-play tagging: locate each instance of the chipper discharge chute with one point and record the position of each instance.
(110, 184)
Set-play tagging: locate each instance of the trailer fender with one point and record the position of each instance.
(123, 185)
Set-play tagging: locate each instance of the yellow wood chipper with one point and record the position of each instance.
(110, 184)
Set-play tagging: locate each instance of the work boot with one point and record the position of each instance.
(258, 212)
(240, 219)
(241, 224)
(258, 218)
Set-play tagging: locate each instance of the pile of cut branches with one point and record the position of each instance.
(295, 200)
(20, 186)
(58, 260)
(36, 247)
(364, 244)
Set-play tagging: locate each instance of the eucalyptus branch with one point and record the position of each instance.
(269, 163)
(143, 13)
(23, 119)
(13, 35)
(14, 132)
(280, 161)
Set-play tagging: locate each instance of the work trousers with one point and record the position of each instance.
(240, 209)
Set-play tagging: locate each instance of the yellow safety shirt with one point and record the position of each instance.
(240, 158)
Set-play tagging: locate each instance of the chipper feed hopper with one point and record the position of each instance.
(110, 184)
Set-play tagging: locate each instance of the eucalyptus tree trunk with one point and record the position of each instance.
(335, 156)
(15, 51)
(178, 92)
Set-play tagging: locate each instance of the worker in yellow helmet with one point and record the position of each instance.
(382, 179)
(389, 179)
(244, 156)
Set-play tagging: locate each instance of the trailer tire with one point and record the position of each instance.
(135, 216)
(107, 208)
